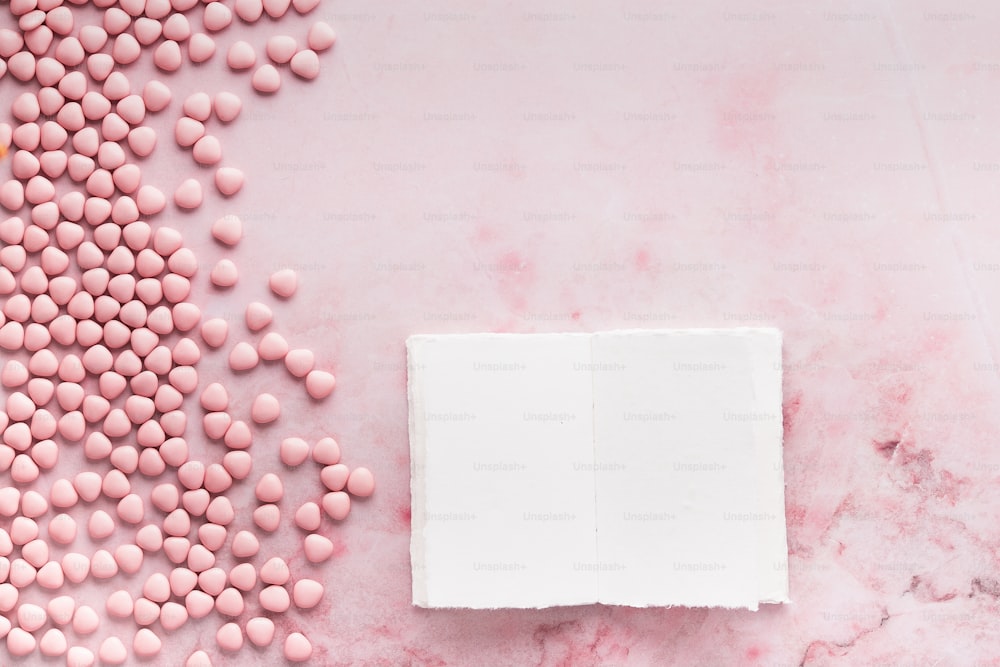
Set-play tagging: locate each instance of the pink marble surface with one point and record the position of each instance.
(827, 168)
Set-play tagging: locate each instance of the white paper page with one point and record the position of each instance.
(500, 516)
(772, 550)
(677, 469)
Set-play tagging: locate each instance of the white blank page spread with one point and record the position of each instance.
(504, 519)
(675, 469)
(638, 468)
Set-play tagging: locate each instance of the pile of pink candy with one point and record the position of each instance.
(102, 346)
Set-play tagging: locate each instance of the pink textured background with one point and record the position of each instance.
(829, 169)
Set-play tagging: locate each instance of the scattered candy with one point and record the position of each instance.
(97, 293)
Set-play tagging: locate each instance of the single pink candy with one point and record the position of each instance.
(245, 544)
(31, 617)
(230, 602)
(167, 56)
(145, 612)
(182, 581)
(156, 95)
(150, 200)
(240, 56)
(60, 609)
(265, 408)
(129, 557)
(243, 357)
(85, 620)
(243, 576)
(103, 565)
(284, 282)
(213, 536)
(228, 180)
(300, 362)
(149, 538)
(293, 451)
(198, 604)
(337, 505)
(100, 66)
(320, 384)
(142, 140)
(196, 501)
(307, 593)
(249, 10)
(188, 194)
(172, 616)
(220, 511)
(132, 109)
(276, 8)
(228, 230)
(146, 644)
(112, 651)
(229, 637)
(100, 525)
(217, 16)
(200, 558)
(201, 47)
(321, 36)
(177, 27)
(198, 106)
(266, 79)
(214, 332)
(147, 30)
(267, 517)
(200, 658)
(260, 631)
(297, 648)
(258, 316)
(62, 529)
(93, 38)
(224, 274)
(238, 463)
(269, 488)
(308, 517)
(207, 151)
(20, 643)
(176, 524)
(274, 599)
(227, 105)
(214, 397)
(119, 604)
(317, 548)
(361, 482)
(53, 643)
(187, 131)
(272, 347)
(281, 48)
(305, 64)
(334, 477)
